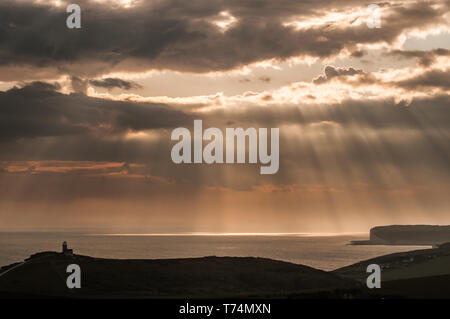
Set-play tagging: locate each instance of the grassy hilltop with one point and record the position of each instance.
(209, 277)
(414, 274)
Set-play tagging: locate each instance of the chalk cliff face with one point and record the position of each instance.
(410, 235)
(375, 239)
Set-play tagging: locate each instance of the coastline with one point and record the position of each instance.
(43, 275)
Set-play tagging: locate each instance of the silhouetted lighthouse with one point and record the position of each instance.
(65, 251)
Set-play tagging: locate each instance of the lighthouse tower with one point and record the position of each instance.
(65, 251)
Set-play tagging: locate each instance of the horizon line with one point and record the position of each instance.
(302, 234)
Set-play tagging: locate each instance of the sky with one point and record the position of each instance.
(86, 114)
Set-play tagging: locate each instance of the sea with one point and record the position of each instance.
(321, 251)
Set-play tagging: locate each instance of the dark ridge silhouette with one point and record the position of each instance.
(44, 275)
(415, 274)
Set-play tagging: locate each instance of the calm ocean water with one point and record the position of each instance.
(325, 252)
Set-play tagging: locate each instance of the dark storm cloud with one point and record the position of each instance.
(425, 58)
(358, 53)
(38, 110)
(362, 134)
(429, 79)
(80, 85)
(111, 83)
(179, 35)
(331, 72)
